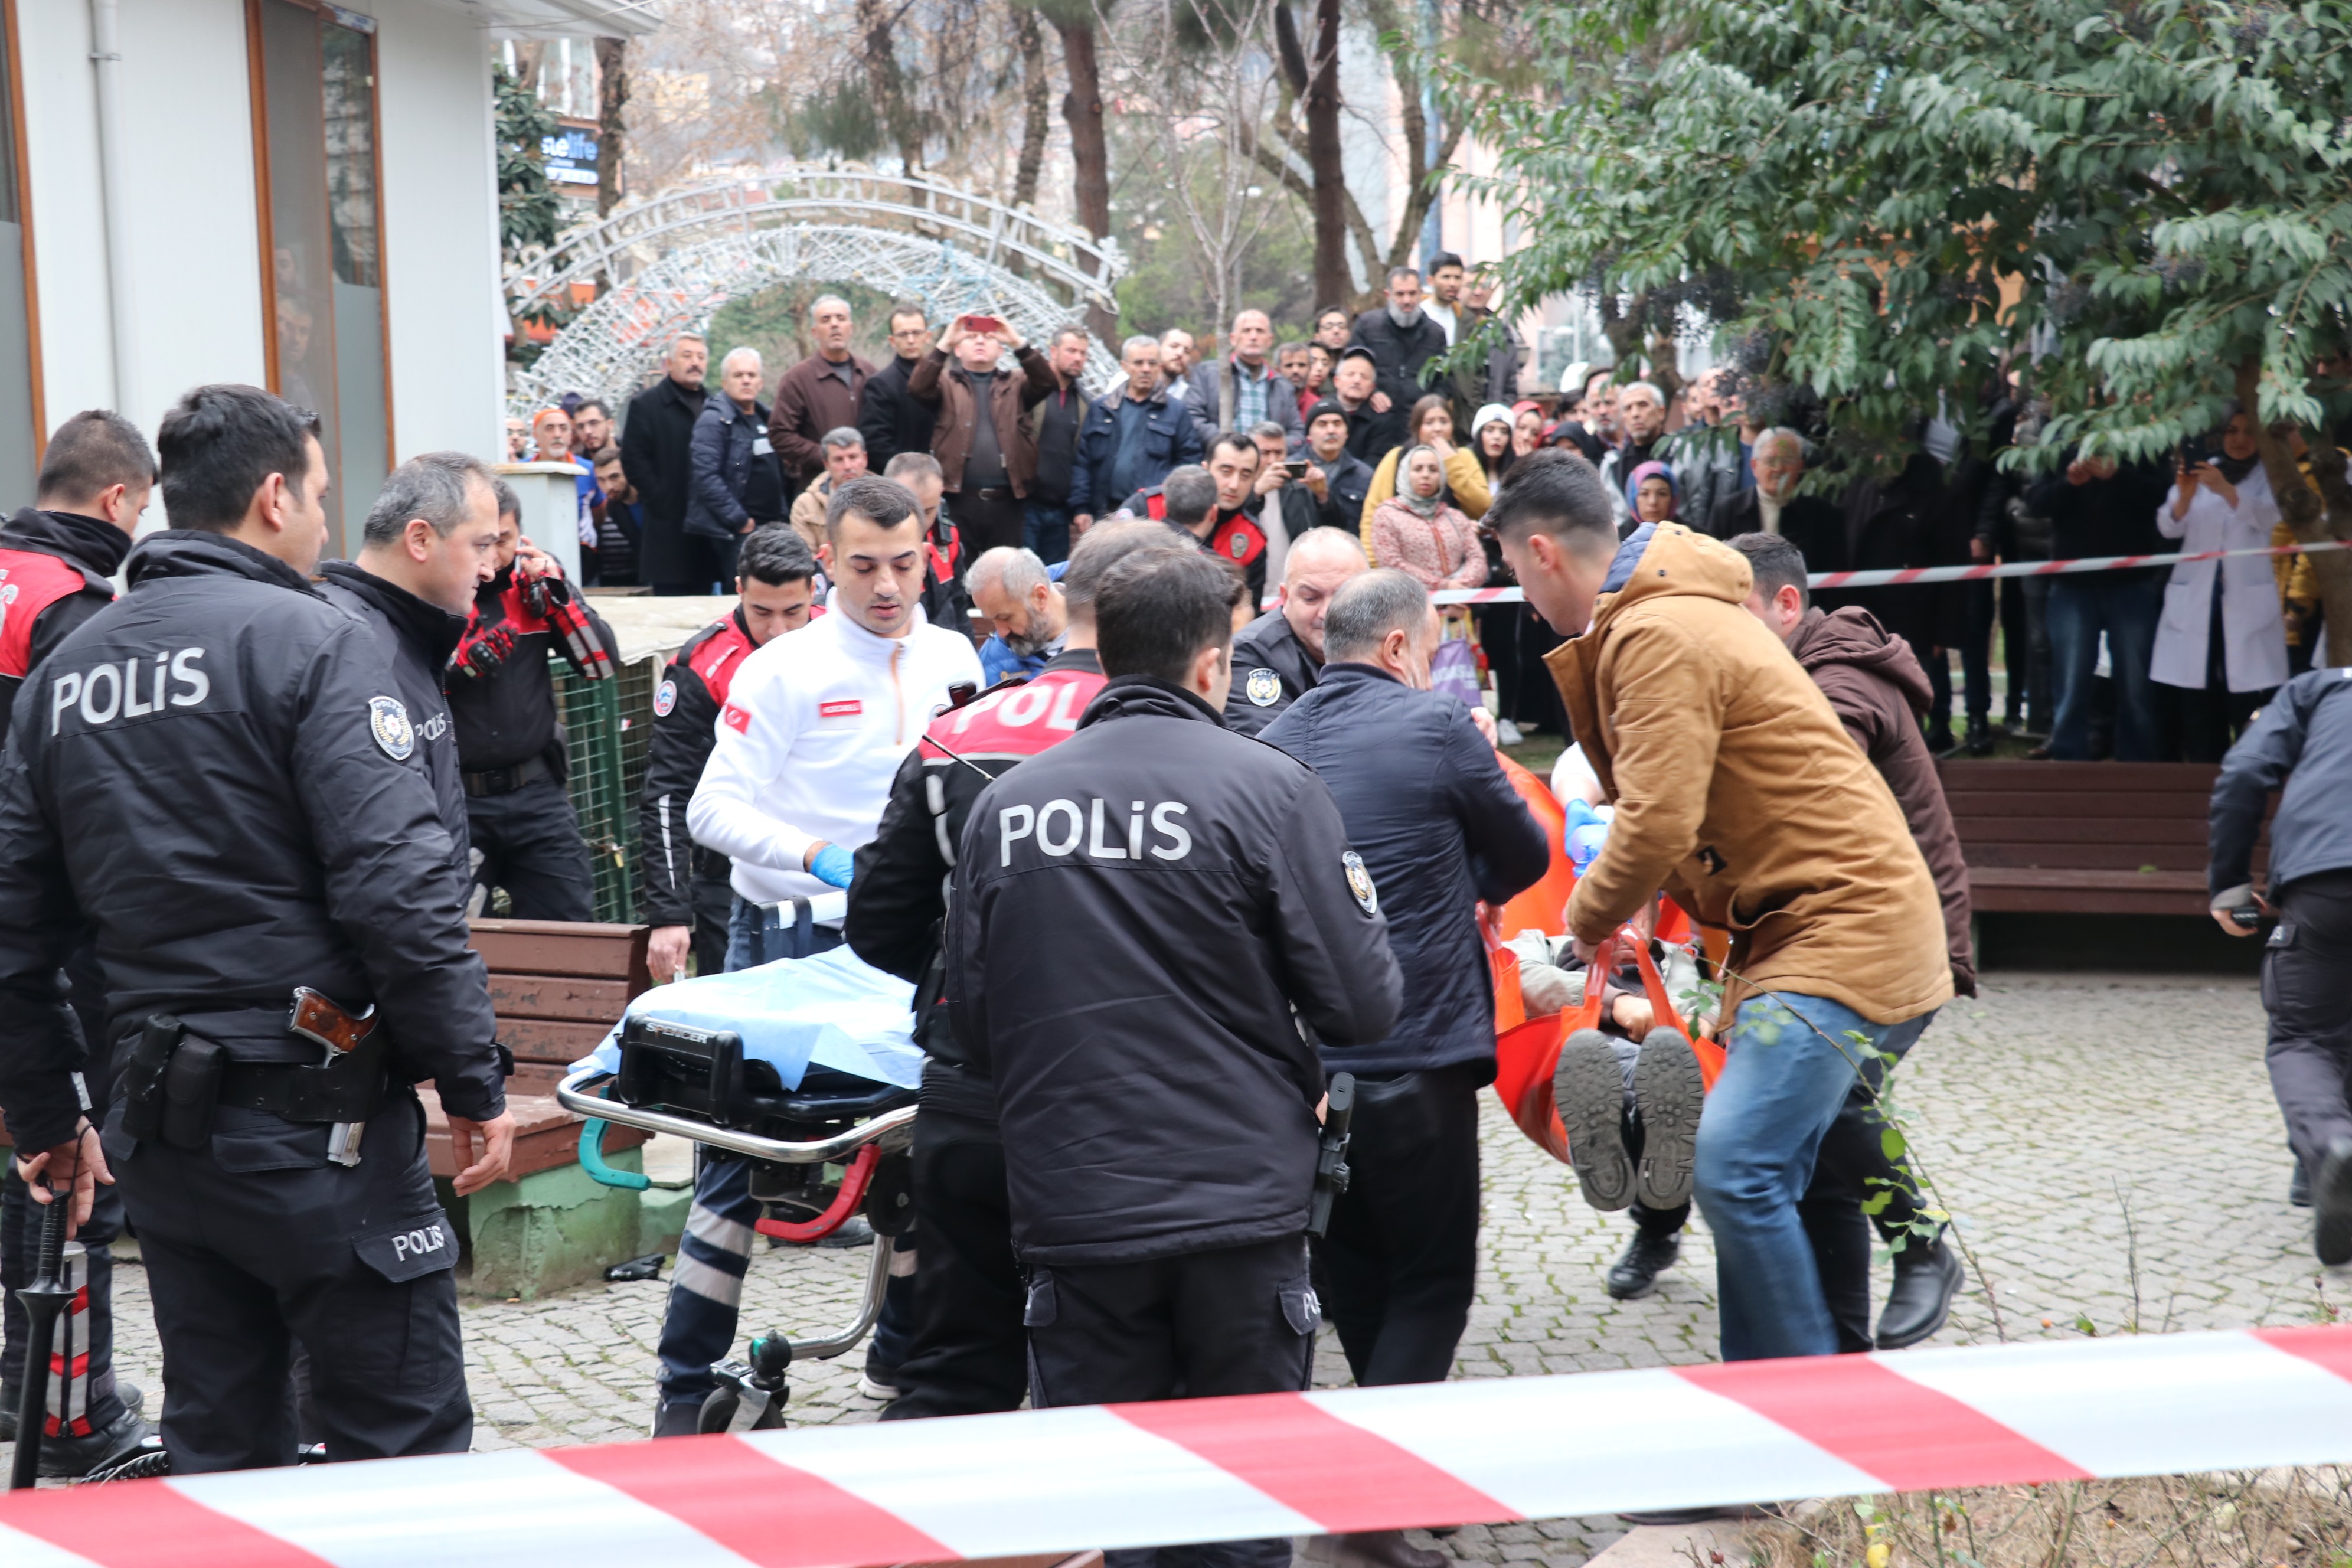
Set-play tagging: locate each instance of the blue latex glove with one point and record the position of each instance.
(1586, 832)
(832, 866)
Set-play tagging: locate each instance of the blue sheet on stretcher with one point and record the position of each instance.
(831, 1011)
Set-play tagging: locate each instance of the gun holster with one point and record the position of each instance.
(192, 1086)
(351, 1089)
(143, 1078)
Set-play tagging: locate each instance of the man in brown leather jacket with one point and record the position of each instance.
(988, 465)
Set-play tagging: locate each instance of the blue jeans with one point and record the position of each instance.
(1781, 1087)
(2080, 609)
(1046, 530)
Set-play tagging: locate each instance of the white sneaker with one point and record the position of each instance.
(1508, 732)
(867, 1387)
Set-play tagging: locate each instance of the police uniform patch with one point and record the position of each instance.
(1240, 546)
(1359, 883)
(1263, 688)
(665, 698)
(388, 722)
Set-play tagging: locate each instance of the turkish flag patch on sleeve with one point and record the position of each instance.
(736, 719)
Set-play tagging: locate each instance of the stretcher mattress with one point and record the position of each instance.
(831, 1011)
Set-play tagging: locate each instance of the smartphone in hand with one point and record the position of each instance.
(982, 324)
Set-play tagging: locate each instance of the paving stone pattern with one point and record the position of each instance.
(2109, 1143)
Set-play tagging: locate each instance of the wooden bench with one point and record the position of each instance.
(558, 988)
(2106, 839)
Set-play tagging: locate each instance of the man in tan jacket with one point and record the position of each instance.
(1740, 795)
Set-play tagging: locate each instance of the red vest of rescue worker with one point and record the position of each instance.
(1236, 538)
(30, 583)
(1015, 719)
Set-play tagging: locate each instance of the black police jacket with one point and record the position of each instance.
(1272, 669)
(686, 719)
(216, 772)
(1147, 921)
(1440, 827)
(899, 895)
(35, 618)
(415, 638)
(2301, 746)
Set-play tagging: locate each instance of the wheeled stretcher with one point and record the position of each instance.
(816, 1075)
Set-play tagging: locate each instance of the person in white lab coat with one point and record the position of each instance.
(2222, 640)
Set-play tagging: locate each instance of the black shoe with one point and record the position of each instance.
(74, 1458)
(10, 1392)
(1920, 1301)
(1588, 1092)
(1671, 1093)
(1636, 1273)
(1979, 738)
(679, 1418)
(2298, 1193)
(2331, 1205)
(1374, 1549)
(1940, 742)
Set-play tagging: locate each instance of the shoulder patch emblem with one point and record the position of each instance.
(665, 698)
(388, 722)
(1240, 546)
(1264, 688)
(1359, 883)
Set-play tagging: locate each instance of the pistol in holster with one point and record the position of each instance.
(175, 1079)
(1331, 1152)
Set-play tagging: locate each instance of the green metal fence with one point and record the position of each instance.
(607, 727)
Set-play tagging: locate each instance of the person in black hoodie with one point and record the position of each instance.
(1440, 828)
(56, 556)
(969, 1353)
(511, 753)
(1159, 1099)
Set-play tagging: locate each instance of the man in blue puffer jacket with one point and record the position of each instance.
(1440, 827)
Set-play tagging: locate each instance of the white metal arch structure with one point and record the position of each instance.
(675, 260)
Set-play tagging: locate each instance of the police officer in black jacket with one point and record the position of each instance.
(2301, 746)
(56, 556)
(1159, 1095)
(969, 1353)
(430, 541)
(1279, 657)
(686, 896)
(248, 816)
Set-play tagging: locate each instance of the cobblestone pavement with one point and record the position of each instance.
(2108, 1142)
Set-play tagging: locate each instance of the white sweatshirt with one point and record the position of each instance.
(815, 727)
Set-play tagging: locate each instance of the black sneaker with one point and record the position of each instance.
(2298, 1193)
(74, 1458)
(1636, 1274)
(1588, 1092)
(1671, 1092)
(2331, 1205)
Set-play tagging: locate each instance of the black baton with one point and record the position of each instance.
(42, 1300)
(1331, 1152)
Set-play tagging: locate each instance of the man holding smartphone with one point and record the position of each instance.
(987, 449)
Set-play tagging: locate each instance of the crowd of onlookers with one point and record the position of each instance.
(1374, 424)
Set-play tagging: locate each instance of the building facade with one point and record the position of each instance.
(294, 194)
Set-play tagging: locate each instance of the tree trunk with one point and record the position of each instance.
(888, 83)
(1333, 281)
(1089, 156)
(612, 98)
(2315, 508)
(1036, 94)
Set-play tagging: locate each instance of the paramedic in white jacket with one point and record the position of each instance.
(817, 721)
(813, 729)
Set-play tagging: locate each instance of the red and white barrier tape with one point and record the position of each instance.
(1899, 576)
(1482, 1451)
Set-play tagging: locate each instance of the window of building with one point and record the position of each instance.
(323, 219)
